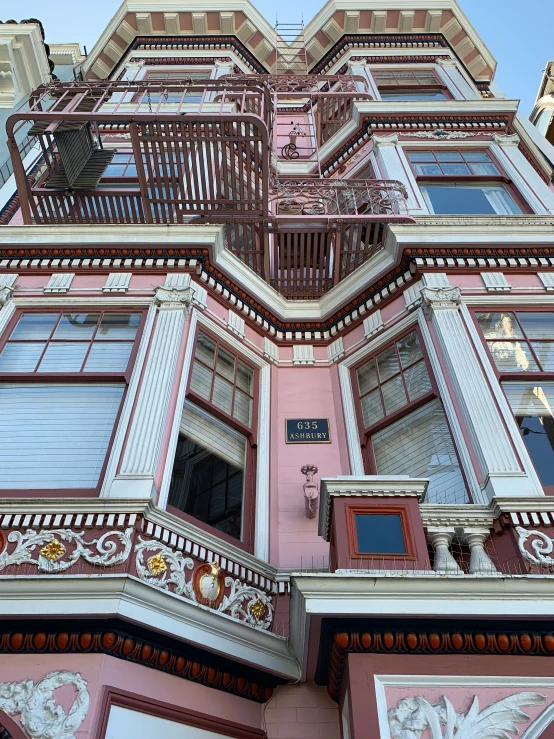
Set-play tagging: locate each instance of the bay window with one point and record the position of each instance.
(406, 84)
(402, 422)
(521, 347)
(212, 479)
(463, 182)
(63, 376)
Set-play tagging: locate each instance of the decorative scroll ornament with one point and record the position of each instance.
(40, 716)
(542, 546)
(174, 298)
(414, 715)
(205, 587)
(439, 133)
(54, 556)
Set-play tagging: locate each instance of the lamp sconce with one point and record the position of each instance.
(311, 490)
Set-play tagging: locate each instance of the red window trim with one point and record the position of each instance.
(71, 377)
(392, 510)
(502, 177)
(514, 376)
(249, 496)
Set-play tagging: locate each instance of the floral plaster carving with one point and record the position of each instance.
(542, 546)
(243, 602)
(40, 716)
(53, 555)
(440, 134)
(413, 716)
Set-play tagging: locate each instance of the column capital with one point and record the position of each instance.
(173, 298)
(220, 64)
(390, 140)
(446, 62)
(506, 139)
(440, 298)
(5, 294)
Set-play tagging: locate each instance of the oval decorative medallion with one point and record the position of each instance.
(208, 584)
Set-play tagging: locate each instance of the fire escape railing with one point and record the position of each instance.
(202, 151)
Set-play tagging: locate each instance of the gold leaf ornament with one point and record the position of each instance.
(156, 564)
(53, 550)
(257, 610)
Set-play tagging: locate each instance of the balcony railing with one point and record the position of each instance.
(201, 151)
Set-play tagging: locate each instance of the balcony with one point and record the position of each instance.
(202, 152)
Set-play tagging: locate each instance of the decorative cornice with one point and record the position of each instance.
(163, 654)
(148, 43)
(378, 40)
(433, 641)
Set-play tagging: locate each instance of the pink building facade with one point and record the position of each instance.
(276, 383)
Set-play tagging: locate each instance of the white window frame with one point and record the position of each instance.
(261, 523)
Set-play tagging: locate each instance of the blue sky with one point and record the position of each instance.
(520, 41)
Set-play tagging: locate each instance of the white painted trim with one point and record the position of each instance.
(6, 314)
(460, 445)
(351, 427)
(501, 402)
(176, 421)
(129, 403)
(128, 598)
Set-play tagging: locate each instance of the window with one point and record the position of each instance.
(122, 165)
(404, 427)
(62, 380)
(175, 95)
(222, 380)
(409, 85)
(462, 182)
(379, 533)
(211, 481)
(521, 345)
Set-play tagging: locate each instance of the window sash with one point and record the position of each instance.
(218, 438)
(519, 341)
(420, 445)
(497, 200)
(58, 435)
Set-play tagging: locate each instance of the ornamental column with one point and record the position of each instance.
(455, 81)
(504, 475)
(394, 166)
(7, 307)
(360, 68)
(141, 455)
(529, 183)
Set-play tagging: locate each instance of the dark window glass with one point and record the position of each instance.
(379, 534)
(207, 487)
(533, 407)
(408, 94)
(470, 199)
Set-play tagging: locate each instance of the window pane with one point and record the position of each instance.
(421, 156)
(499, 326)
(118, 326)
(470, 199)
(448, 156)
(201, 380)
(512, 356)
(420, 445)
(417, 380)
(226, 364)
(372, 408)
(67, 356)
(545, 353)
(533, 407)
(109, 356)
(243, 408)
(245, 378)
(412, 94)
(537, 325)
(205, 349)
(21, 357)
(476, 156)
(394, 395)
(484, 169)
(367, 377)
(427, 169)
(387, 364)
(456, 169)
(409, 349)
(58, 435)
(379, 534)
(76, 326)
(34, 326)
(223, 395)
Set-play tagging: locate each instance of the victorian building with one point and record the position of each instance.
(276, 381)
(542, 115)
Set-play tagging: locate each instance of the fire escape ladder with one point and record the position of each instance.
(290, 49)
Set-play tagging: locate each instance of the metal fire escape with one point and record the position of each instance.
(211, 151)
